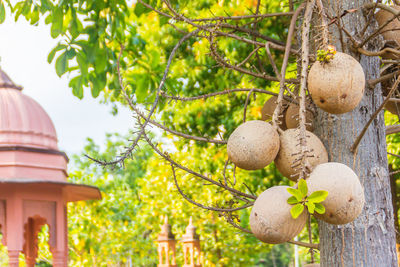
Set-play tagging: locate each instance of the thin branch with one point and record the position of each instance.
(392, 129)
(277, 111)
(271, 60)
(174, 132)
(225, 92)
(395, 13)
(131, 148)
(201, 205)
(372, 83)
(245, 105)
(303, 244)
(169, 159)
(268, 15)
(364, 130)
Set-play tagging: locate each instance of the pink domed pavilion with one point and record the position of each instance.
(33, 178)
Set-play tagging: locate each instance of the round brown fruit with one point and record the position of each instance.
(269, 107)
(290, 145)
(393, 107)
(337, 86)
(345, 199)
(391, 31)
(292, 117)
(253, 145)
(270, 218)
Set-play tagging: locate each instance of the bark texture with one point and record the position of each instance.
(370, 239)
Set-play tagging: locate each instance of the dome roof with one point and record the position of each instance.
(23, 122)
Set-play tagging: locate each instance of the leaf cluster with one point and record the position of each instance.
(300, 199)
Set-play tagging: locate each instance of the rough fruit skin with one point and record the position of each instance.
(345, 199)
(268, 110)
(289, 145)
(389, 32)
(253, 145)
(270, 218)
(338, 85)
(292, 117)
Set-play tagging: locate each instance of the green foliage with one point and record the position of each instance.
(300, 199)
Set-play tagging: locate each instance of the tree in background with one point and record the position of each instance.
(124, 225)
(161, 56)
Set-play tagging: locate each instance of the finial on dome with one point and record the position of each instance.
(166, 232)
(190, 232)
(6, 82)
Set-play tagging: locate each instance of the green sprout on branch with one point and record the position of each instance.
(300, 199)
(324, 56)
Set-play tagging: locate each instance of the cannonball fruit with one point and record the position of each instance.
(268, 110)
(393, 107)
(270, 218)
(289, 145)
(337, 86)
(391, 31)
(345, 199)
(253, 145)
(292, 117)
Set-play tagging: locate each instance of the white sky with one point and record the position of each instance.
(23, 51)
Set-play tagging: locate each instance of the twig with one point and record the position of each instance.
(392, 129)
(271, 60)
(364, 130)
(131, 148)
(277, 111)
(245, 105)
(303, 244)
(169, 159)
(395, 12)
(201, 205)
(245, 17)
(225, 92)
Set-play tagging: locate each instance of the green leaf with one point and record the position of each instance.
(57, 23)
(319, 208)
(61, 64)
(76, 84)
(318, 196)
(296, 193)
(310, 207)
(140, 9)
(2, 12)
(302, 186)
(142, 86)
(292, 200)
(53, 52)
(296, 210)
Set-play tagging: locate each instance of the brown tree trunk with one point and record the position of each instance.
(370, 239)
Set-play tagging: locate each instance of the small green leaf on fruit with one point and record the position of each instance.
(292, 200)
(296, 193)
(318, 196)
(302, 186)
(319, 208)
(310, 207)
(297, 210)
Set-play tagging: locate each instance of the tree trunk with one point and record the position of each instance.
(370, 239)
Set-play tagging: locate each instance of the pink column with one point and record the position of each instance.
(13, 258)
(59, 249)
(14, 229)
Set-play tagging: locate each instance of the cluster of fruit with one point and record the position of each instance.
(336, 86)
